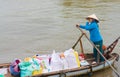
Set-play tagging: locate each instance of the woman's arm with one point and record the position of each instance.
(88, 27)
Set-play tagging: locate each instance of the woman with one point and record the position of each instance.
(95, 36)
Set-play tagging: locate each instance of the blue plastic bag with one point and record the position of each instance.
(26, 68)
(1, 75)
(14, 68)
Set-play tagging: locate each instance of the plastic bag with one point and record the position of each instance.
(64, 63)
(14, 68)
(72, 58)
(27, 67)
(1, 75)
(81, 57)
(35, 72)
(3, 71)
(77, 58)
(56, 63)
(84, 63)
(44, 62)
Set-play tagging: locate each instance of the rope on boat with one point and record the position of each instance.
(116, 72)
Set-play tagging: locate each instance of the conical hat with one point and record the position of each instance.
(93, 16)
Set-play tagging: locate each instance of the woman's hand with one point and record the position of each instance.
(77, 25)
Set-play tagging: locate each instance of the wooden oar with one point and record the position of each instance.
(77, 42)
(118, 74)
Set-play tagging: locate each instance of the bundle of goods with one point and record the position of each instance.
(39, 64)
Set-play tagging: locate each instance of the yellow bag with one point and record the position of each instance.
(27, 59)
(35, 72)
(77, 58)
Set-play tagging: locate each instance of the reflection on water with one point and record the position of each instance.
(40, 26)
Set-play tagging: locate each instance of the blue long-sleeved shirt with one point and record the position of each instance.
(93, 29)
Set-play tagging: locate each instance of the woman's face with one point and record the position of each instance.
(90, 19)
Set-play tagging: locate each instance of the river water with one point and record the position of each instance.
(29, 27)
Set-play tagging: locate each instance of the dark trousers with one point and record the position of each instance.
(97, 56)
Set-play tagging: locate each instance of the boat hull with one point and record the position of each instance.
(70, 72)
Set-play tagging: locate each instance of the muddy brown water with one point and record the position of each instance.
(29, 27)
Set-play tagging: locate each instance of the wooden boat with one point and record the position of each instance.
(111, 58)
(75, 71)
